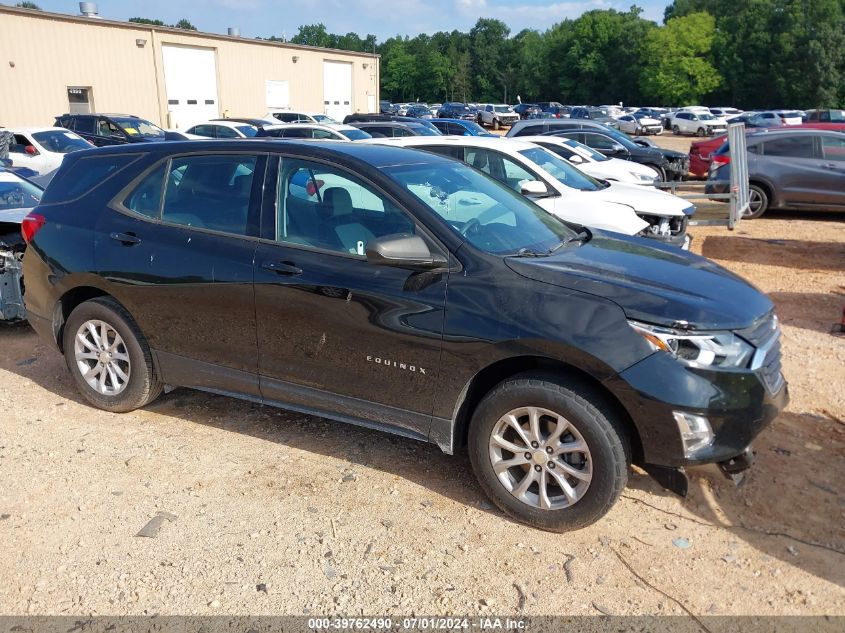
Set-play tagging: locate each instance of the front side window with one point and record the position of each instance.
(498, 166)
(85, 124)
(248, 130)
(833, 148)
(210, 192)
(329, 209)
(561, 170)
(221, 131)
(354, 134)
(599, 141)
(107, 128)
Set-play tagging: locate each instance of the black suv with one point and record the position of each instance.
(452, 110)
(314, 277)
(111, 129)
(669, 164)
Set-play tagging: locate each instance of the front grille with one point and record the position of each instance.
(765, 336)
(664, 227)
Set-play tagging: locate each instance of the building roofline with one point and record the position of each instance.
(66, 17)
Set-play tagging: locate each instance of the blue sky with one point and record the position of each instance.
(384, 18)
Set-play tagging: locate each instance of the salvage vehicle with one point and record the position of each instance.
(595, 163)
(698, 123)
(560, 355)
(639, 124)
(460, 127)
(496, 115)
(104, 130)
(561, 189)
(43, 148)
(668, 163)
(18, 196)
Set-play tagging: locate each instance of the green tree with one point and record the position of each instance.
(185, 25)
(28, 5)
(147, 21)
(314, 35)
(678, 61)
(491, 62)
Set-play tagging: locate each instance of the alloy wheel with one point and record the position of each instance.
(102, 357)
(540, 458)
(755, 201)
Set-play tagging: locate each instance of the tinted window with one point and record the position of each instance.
(598, 141)
(451, 152)
(561, 170)
(354, 134)
(529, 130)
(248, 130)
(145, 198)
(296, 133)
(107, 128)
(85, 174)
(61, 141)
(326, 208)
(210, 192)
(225, 132)
(833, 147)
(791, 146)
(443, 126)
(84, 124)
(501, 167)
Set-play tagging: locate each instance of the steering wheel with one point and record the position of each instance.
(473, 223)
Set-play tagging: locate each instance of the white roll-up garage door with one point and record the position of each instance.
(337, 89)
(190, 80)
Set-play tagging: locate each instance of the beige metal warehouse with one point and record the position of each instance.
(53, 63)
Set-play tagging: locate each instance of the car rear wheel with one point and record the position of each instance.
(108, 357)
(676, 130)
(701, 132)
(548, 452)
(758, 202)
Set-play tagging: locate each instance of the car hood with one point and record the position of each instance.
(669, 153)
(645, 200)
(652, 283)
(648, 121)
(588, 210)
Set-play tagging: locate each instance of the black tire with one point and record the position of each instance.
(496, 124)
(638, 132)
(676, 130)
(701, 132)
(755, 191)
(661, 173)
(585, 411)
(143, 385)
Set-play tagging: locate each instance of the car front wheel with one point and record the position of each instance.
(108, 357)
(701, 132)
(676, 130)
(548, 452)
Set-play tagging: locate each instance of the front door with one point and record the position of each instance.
(336, 332)
(184, 239)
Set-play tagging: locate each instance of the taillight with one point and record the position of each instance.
(31, 224)
(720, 159)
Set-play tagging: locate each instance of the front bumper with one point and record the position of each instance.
(737, 404)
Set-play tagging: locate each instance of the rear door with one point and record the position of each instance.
(177, 249)
(334, 330)
(25, 154)
(794, 164)
(833, 166)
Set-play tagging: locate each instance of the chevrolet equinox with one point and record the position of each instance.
(404, 291)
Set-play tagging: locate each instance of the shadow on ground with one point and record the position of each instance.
(801, 254)
(790, 507)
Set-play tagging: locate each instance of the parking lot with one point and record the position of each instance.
(275, 512)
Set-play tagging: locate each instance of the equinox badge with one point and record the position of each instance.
(393, 363)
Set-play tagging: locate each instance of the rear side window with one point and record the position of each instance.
(145, 198)
(84, 124)
(791, 146)
(210, 192)
(530, 130)
(84, 175)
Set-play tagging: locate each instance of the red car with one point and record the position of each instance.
(700, 151)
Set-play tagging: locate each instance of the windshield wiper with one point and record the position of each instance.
(524, 252)
(583, 236)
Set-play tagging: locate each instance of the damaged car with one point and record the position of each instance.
(18, 196)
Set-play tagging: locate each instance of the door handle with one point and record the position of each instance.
(830, 166)
(282, 268)
(127, 239)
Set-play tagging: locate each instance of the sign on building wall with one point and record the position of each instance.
(277, 93)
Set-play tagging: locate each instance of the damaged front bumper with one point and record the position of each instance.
(11, 286)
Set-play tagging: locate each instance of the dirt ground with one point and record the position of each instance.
(279, 513)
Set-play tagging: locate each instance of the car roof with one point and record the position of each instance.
(486, 142)
(792, 130)
(33, 130)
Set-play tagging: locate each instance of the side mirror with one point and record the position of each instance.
(402, 251)
(533, 188)
(576, 159)
(618, 148)
(30, 149)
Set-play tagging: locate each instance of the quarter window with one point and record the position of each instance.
(145, 199)
(834, 148)
(328, 209)
(210, 192)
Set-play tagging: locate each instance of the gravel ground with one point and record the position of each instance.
(278, 513)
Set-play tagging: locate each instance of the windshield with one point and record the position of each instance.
(355, 134)
(561, 170)
(473, 127)
(423, 130)
(323, 118)
(490, 216)
(247, 130)
(16, 193)
(589, 151)
(503, 109)
(706, 117)
(139, 127)
(61, 141)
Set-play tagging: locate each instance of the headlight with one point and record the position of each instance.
(707, 349)
(644, 178)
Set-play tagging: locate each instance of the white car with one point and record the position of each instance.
(698, 123)
(496, 115)
(777, 118)
(225, 129)
(563, 190)
(725, 113)
(631, 124)
(298, 116)
(42, 149)
(595, 163)
(330, 132)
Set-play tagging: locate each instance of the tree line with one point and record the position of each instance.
(745, 53)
